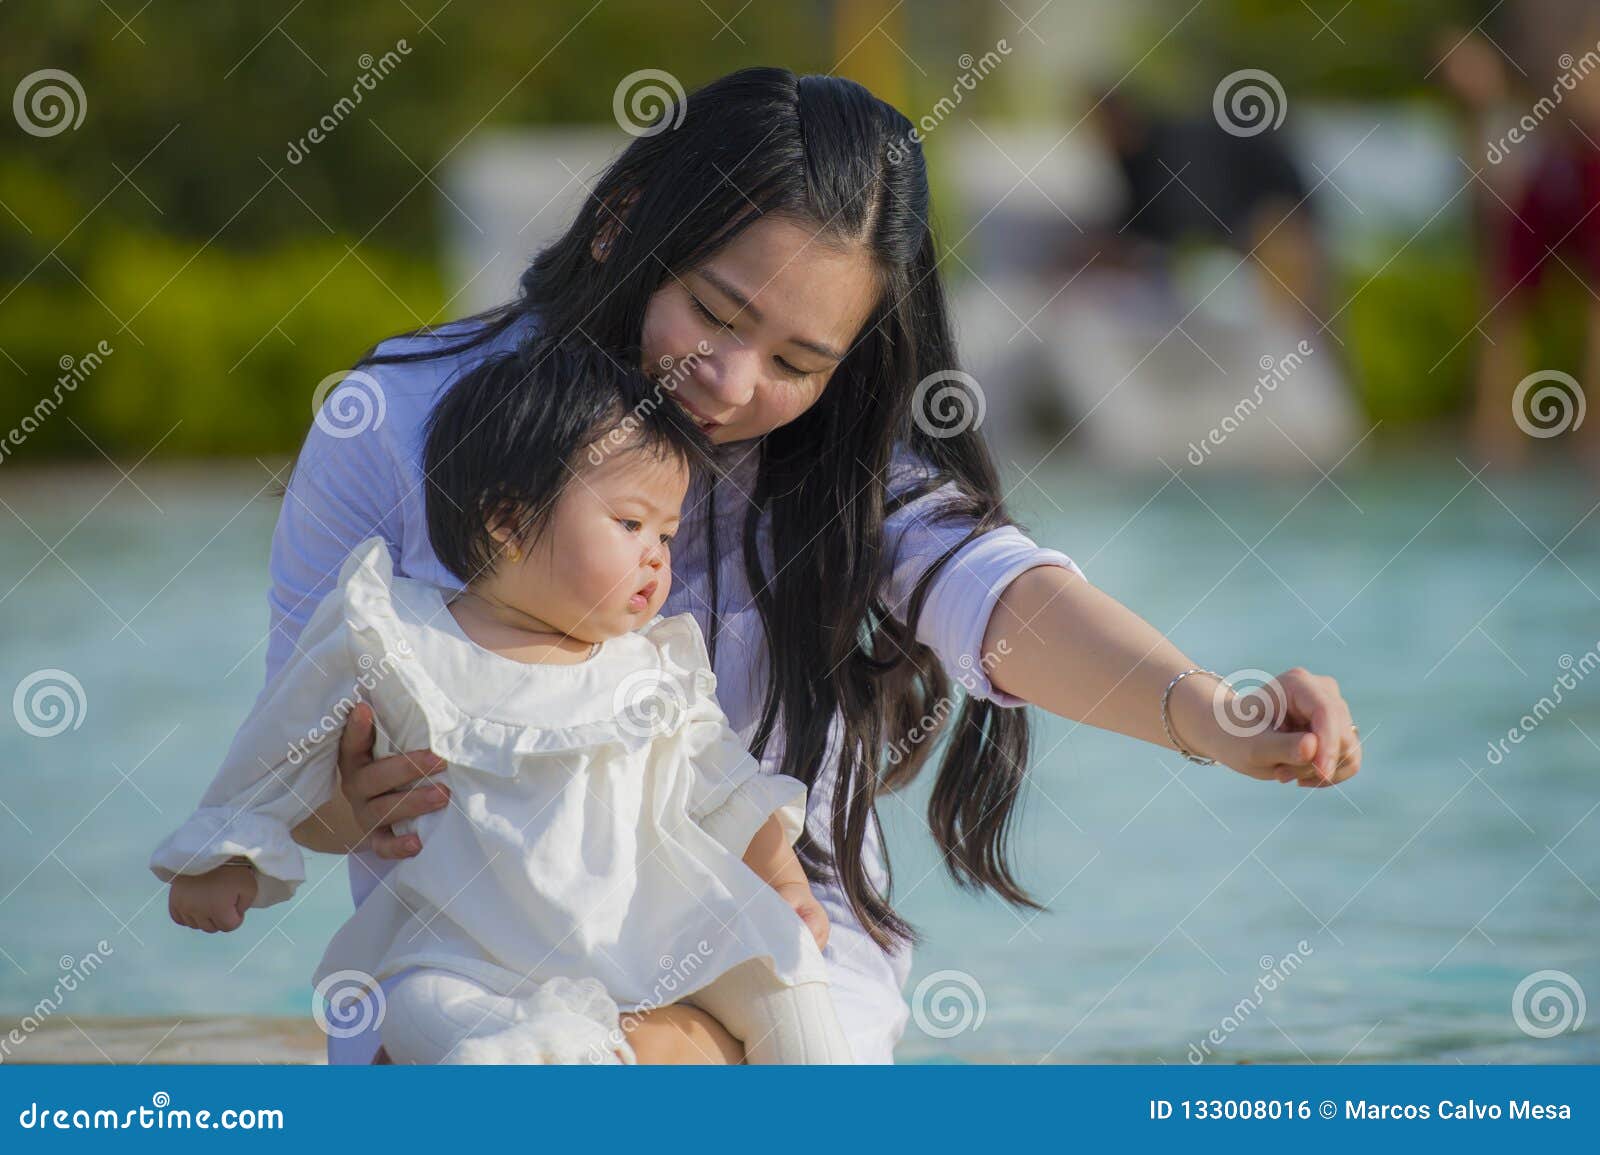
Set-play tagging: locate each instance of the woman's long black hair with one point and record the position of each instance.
(764, 141)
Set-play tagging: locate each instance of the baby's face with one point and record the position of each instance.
(603, 565)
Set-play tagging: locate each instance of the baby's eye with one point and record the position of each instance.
(666, 538)
(630, 525)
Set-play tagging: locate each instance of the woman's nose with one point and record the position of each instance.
(730, 373)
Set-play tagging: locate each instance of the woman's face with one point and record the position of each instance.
(774, 311)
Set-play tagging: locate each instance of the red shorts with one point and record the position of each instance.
(1558, 209)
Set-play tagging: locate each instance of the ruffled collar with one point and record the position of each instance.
(639, 687)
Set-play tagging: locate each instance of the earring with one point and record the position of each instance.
(512, 552)
(604, 245)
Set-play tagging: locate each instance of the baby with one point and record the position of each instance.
(610, 844)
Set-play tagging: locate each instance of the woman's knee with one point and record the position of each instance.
(680, 1034)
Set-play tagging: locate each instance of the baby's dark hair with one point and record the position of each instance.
(513, 431)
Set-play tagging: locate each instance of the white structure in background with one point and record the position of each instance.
(1140, 376)
(514, 192)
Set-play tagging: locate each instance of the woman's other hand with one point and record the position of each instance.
(383, 791)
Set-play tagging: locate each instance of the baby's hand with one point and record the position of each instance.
(213, 901)
(798, 895)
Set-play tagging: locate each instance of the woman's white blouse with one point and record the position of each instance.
(598, 817)
(360, 473)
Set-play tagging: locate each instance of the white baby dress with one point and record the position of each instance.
(598, 815)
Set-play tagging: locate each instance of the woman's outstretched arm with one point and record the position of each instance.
(1061, 644)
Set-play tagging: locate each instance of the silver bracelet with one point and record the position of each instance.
(1166, 721)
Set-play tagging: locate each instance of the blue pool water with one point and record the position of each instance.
(1395, 916)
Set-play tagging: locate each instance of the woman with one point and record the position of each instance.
(770, 258)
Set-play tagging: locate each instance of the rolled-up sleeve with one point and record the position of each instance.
(963, 595)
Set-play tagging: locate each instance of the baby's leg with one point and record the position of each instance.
(435, 1016)
(778, 1024)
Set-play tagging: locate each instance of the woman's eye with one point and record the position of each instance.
(705, 312)
(789, 369)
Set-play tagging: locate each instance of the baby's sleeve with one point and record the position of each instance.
(279, 768)
(730, 796)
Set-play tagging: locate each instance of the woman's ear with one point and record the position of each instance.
(611, 225)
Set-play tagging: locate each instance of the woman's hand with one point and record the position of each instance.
(804, 903)
(1294, 728)
(384, 791)
(213, 901)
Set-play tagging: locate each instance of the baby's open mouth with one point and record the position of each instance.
(641, 596)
